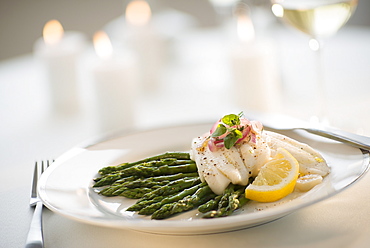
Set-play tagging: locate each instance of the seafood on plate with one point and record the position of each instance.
(235, 150)
(235, 162)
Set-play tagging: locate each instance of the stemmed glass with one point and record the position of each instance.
(318, 19)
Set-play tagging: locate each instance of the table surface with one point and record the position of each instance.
(29, 132)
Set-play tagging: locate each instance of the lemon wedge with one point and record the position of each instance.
(276, 179)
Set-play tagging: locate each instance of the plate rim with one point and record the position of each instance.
(277, 211)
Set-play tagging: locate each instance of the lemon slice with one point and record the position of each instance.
(276, 179)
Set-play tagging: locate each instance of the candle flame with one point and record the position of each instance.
(138, 12)
(314, 44)
(52, 32)
(277, 10)
(245, 28)
(103, 46)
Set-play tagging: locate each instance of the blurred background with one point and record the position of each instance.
(187, 64)
(21, 21)
(181, 62)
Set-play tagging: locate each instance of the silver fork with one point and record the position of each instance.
(285, 123)
(35, 238)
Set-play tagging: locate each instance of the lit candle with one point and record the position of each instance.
(115, 87)
(147, 43)
(59, 51)
(256, 82)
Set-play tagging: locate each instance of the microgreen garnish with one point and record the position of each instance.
(232, 138)
(231, 127)
(221, 129)
(231, 120)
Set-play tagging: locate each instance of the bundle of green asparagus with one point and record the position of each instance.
(167, 184)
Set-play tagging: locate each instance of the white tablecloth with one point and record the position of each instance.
(30, 132)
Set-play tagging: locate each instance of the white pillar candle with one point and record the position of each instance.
(115, 87)
(146, 42)
(59, 51)
(255, 76)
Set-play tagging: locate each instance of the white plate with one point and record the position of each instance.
(66, 186)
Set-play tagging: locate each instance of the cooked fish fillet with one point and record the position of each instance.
(207, 170)
(310, 161)
(223, 166)
(255, 155)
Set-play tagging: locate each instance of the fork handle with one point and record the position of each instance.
(352, 139)
(35, 237)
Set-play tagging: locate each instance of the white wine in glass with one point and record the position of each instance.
(318, 19)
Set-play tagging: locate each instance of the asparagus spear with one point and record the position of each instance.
(119, 189)
(176, 155)
(126, 180)
(210, 205)
(115, 170)
(172, 177)
(144, 171)
(150, 209)
(229, 202)
(172, 187)
(138, 181)
(170, 190)
(155, 163)
(201, 196)
(137, 193)
(143, 203)
(109, 190)
(110, 179)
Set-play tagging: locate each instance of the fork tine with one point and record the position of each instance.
(48, 163)
(40, 167)
(34, 181)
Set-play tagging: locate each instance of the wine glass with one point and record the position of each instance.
(318, 19)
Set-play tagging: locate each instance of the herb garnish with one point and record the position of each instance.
(230, 125)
